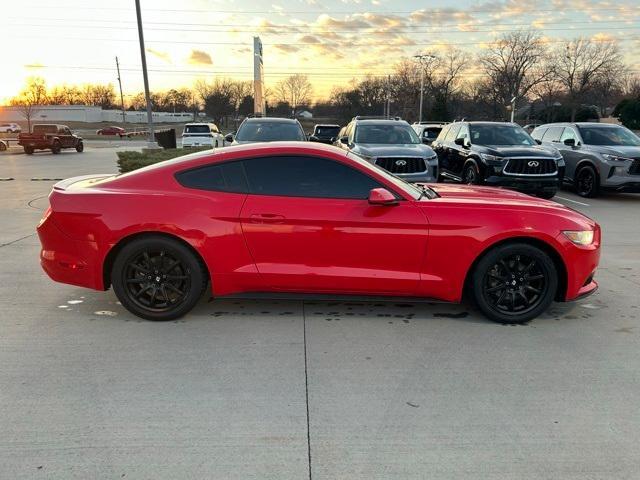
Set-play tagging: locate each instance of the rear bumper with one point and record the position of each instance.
(198, 142)
(67, 260)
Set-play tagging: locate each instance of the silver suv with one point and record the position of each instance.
(598, 156)
(393, 145)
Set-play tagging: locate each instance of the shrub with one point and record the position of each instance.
(132, 160)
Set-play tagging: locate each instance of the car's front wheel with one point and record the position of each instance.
(80, 147)
(28, 150)
(514, 283)
(471, 176)
(158, 278)
(586, 182)
(56, 147)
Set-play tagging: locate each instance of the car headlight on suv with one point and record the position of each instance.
(579, 237)
(616, 158)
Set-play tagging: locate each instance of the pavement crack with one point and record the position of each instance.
(306, 385)
(16, 241)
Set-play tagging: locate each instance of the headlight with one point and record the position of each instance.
(616, 158)
(580, 237)
(433, 158)
(490, 158)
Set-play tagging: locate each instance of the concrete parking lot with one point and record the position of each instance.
(322, 390)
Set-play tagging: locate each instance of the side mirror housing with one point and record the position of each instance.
(382, 196)
(228, 137)
(570, 142)
(344, 140)
(461, 142)
(538, 141)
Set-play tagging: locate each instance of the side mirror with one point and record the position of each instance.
(461, 142)
(228, 137)
(382, 196)
(333, 139)
(538, 141)
(344, 140)
(570, 142)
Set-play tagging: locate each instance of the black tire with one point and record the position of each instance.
(80, 147)
(56, 147)
(28, 150)
(547, 194)
(471, 175)
(158, 278)
(587, 183)
(3, 146)
(514, 283)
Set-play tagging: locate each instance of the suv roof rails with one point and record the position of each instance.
(430, 122)
(375, 117)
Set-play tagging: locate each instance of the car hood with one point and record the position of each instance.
(623, 151)
(385, 150)
(519, 151)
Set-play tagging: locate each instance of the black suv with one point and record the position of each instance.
(498, 154)
(324, 133)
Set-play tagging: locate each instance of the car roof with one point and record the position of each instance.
(381, 121)
(580, 124)
(332, 125)
(271, 119)
(486, 123)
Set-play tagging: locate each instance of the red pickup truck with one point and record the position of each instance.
(50, 137)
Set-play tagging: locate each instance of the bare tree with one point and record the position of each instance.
(295, 90)
(514, 65)
(33, 95)
(443, 79)
(580, 64)
(549, 93)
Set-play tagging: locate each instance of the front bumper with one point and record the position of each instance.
(524, 184)
(581, 263)
(624, 187)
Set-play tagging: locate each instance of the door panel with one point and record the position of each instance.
(335, 245)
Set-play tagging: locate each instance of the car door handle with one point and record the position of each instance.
(266, 218)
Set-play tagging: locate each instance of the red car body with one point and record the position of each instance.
(258, 243)
(112, 131)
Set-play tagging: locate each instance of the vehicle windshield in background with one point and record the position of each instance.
(197, 129)
(431, 133)
(609, 136)
(327, 131)
(269, 132)
(499, 135)
(386, 134)
(45, 129)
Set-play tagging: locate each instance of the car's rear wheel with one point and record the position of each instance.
(586, 182)
(80, 147)
(3, 146)
(514, 283)
(471, 176)
(158, 278)
(56, 147)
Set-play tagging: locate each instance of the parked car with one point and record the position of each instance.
(324, 133)
(50, 137)
(393, 145)
(121, 132)
(336, 140)
(202, 134)
(598, 156)
(531, 127)
(292, 219)
(10, 128)
(428, 131)
(3, 145)
(267, 129)
(498, 154)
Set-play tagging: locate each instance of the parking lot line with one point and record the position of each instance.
(574, 201)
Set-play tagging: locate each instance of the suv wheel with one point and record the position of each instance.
(471, 176)
(158, 278)
(28, 150)
(56, 147)
(586, 182)
(80, 147)
(514, 283)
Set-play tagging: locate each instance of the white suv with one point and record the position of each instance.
(202, 135)
(10, 128)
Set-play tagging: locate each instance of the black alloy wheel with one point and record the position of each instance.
(80, 147)
(471, 175)
(158, 278)
(586, 182)
(514, 283)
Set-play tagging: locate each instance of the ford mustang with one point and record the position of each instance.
(300, 219)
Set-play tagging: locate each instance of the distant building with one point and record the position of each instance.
(305, 114)
(89, 114)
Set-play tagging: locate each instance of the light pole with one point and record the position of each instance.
(513, 108)
(151, 142)
(421, 58)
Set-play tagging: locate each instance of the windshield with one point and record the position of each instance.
(386, 134)
(609, 136)
(327, 131)
(197, 129)
(269, 132)
(499, 135)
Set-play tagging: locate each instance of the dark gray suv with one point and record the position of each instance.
(598, 156)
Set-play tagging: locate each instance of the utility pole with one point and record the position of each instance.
(421, 59)
(121, 96)
(513, 108)
(151, 142)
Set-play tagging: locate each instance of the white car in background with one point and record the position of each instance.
(202, 135)
(10, 128)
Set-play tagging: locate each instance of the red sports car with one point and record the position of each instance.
(112, 131)
(305, 219)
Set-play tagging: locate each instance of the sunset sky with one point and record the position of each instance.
(332, 41)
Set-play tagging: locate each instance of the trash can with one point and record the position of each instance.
(166, 138)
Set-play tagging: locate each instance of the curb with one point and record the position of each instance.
(46, 179)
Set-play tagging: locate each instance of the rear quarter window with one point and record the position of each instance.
(223, 177)
(538, 133)
(552, 134)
